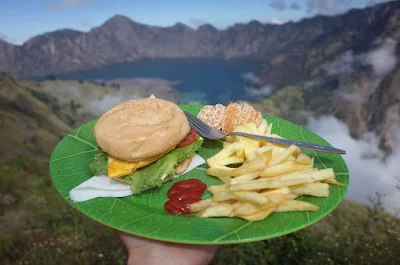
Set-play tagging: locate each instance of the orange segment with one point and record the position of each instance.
(219, 115)
(244, 115)
(252, 115)
(232, 116)
(206, 114)
(258, 119)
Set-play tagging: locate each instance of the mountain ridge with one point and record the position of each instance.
(120, 40)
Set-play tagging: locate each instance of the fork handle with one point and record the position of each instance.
(286, 142)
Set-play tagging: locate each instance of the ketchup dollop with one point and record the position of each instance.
(183, 193)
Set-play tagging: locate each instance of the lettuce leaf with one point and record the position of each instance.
(100, 162)
(150, 176)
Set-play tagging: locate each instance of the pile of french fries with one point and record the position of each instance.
(269, 178)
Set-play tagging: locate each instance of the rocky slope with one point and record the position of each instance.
(291, 48)
(29, 126)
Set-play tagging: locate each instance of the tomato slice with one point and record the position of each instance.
(189, 139)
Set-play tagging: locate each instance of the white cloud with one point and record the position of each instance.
(383, 59)
(197, 22)
(327, 7)
(343, 64)
(368, 173)
(277, 21)
(278, 5)
(264, 91)
(250, 76)
(354, 97)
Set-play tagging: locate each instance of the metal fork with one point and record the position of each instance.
(215, 134)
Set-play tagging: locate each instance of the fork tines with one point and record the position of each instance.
(197, 124)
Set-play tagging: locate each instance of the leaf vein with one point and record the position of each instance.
(232, 232)
(82, 141)
(72, 155)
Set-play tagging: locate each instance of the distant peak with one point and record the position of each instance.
(118, 20)
(180, 25)
(255, 22)
(207, 27)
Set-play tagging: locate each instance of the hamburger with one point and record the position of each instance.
(144, 143)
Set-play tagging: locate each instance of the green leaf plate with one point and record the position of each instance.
(144, 214)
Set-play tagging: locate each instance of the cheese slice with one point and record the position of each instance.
(118, 168)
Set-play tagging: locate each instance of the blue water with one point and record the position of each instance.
(202, 80)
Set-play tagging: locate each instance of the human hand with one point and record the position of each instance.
(153, 252)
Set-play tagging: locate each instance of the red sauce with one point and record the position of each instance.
(183, 193)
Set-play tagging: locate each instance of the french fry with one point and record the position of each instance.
(250, 196)
(333, 181)
(276, 136)
(254, 165)
(232, 160)
(293, 205)
(224, 195)
(243, 129)
(217, 188)
(262, 129)
(275, 199)
(260, 184)
(245, 177)
(239, 149)
(246, 208)
(280, 169)
(231, 202)
(260, 215)
(291, 196)
(251, 155)
(226, 144)
(230, 139)
(276, 151)
(224, 153)
(264, 149)
(292, 150)
(220, 172)
(268, 132)
(322, 174)
(283, 191)
(200, 205)
(225, 180)
(304, 159)
(313, 189)
(317, 175)
(250, 148)
(295, 175)
(270, 178)
(217, 210)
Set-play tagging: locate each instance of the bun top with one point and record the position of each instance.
(141, 128)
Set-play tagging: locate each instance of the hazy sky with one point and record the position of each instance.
(22, 19)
